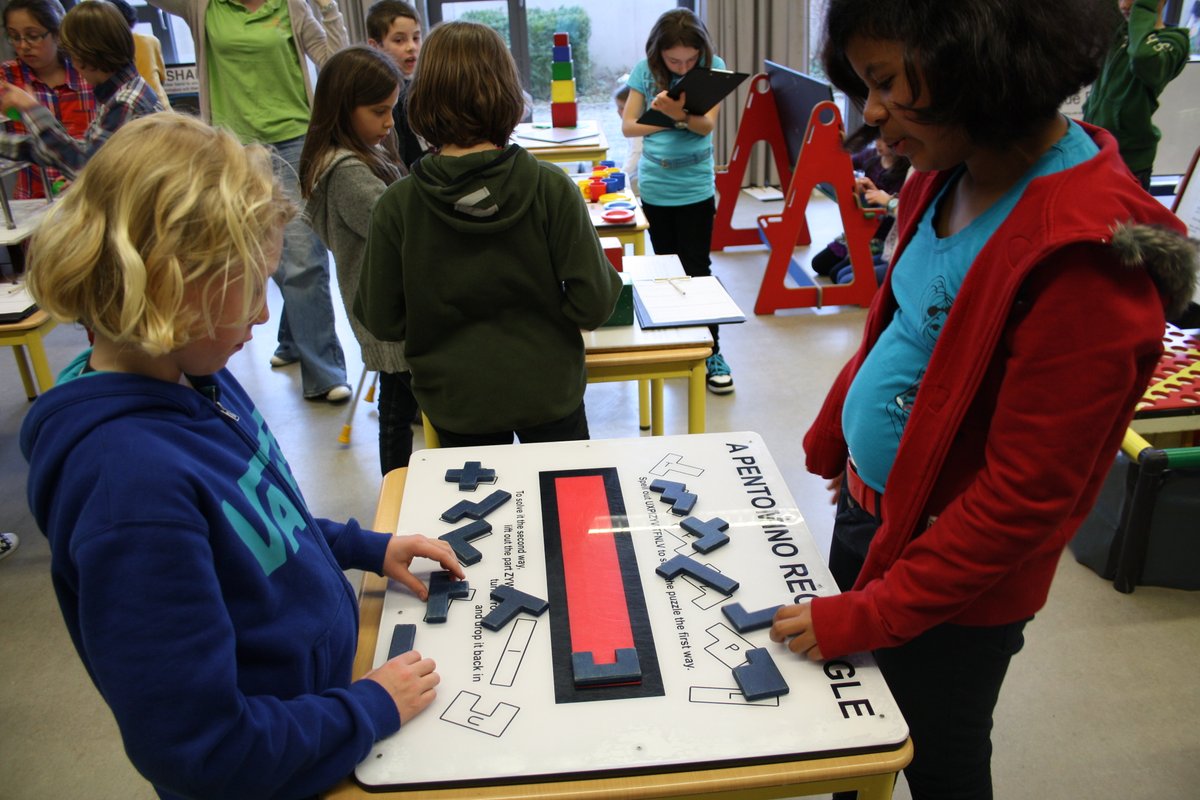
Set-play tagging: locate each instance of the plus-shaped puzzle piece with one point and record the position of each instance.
(682, 501)
(681, 564)
(459, 539)
(744, 621)
(709, 532)
(465, 508)
(442, 589)
(511, 603)
(470, 476)
(759, 678)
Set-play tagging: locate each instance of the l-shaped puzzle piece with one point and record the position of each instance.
(626, 669)
(744, 621)
(682, 501)
(682, 564)
(710, 533)
(759, 678)
(442, 589)
(512, 602)
(459, 539)
(465, 508)
(470, 476)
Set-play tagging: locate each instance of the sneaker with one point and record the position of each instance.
(282, 361)
(8, 543)
(719, 379)
(338, 394)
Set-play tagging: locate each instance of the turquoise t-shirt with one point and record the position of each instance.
(673, 185)
(925, 281)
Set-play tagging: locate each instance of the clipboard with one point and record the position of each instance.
(681, 301)
(705, 88)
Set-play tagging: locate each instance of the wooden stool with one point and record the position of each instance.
(28, 333)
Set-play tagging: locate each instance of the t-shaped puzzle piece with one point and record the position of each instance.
(626, 669)
(681, 564)
(465, 508)
(459, 539)
(759, 678)
(744, 621)
(709, 532)
(442, 589)
(682, 501)
(470, 476)
(512, 602)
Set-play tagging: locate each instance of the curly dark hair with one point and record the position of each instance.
(996, 68)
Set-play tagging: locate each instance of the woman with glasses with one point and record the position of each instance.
(45, 72)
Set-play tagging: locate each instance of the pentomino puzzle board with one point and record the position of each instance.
(585, 529)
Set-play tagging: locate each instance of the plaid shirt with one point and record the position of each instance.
(72, 103)
(122, 97)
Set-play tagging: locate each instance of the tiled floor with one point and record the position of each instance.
(1102, 703)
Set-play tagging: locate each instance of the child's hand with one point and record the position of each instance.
(401, 550)
(410, 680)
(669, 105)
(794, 625)
(15, 97)
(834, 486)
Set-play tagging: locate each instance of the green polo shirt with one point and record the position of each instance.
(256, 88)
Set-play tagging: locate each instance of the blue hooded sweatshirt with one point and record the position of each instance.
(207, 603)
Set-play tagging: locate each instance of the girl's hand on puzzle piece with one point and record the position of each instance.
(401, 550)
(410, 680)
(793, 624)
(669, 105)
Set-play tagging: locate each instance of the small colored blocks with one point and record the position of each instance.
(561, 53)
(562, 91)
(562, 70)
(561, 39)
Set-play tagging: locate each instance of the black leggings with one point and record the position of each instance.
(946, 682)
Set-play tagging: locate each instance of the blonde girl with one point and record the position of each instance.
(150, 467)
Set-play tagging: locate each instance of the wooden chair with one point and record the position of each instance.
(27, 334)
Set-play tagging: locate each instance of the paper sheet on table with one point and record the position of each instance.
(680, 301)
(15, 303)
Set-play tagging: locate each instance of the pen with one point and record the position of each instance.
(674, 282)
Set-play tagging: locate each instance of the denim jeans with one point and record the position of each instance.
(306, 326)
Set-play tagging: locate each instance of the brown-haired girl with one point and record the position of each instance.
(349, 159)
(484, 260)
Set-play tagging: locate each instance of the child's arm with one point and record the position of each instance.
(590, 284)
(54, 147)
(380, 304)
(635, 106)
(1155, 59)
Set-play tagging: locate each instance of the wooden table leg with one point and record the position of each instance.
(656, 407)
(645, 417)
(697, 398)
(23, 368)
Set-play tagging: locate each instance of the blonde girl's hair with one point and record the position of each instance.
(169, 210)
(466, 90)
(353, 77)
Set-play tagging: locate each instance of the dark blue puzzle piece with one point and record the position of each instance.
(470, 476)
(744, 621)
(512, 602)
(442, 589)
(627, 668)
(759, 678)
(403, 638)
(672, 568)
(709, 532)
(459, 540)
(465, 508)
(682, 501)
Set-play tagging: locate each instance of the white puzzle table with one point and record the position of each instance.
(583, 530)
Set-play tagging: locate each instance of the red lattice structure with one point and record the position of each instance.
(1175, 387)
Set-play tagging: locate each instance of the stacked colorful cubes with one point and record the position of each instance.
(563, 111)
